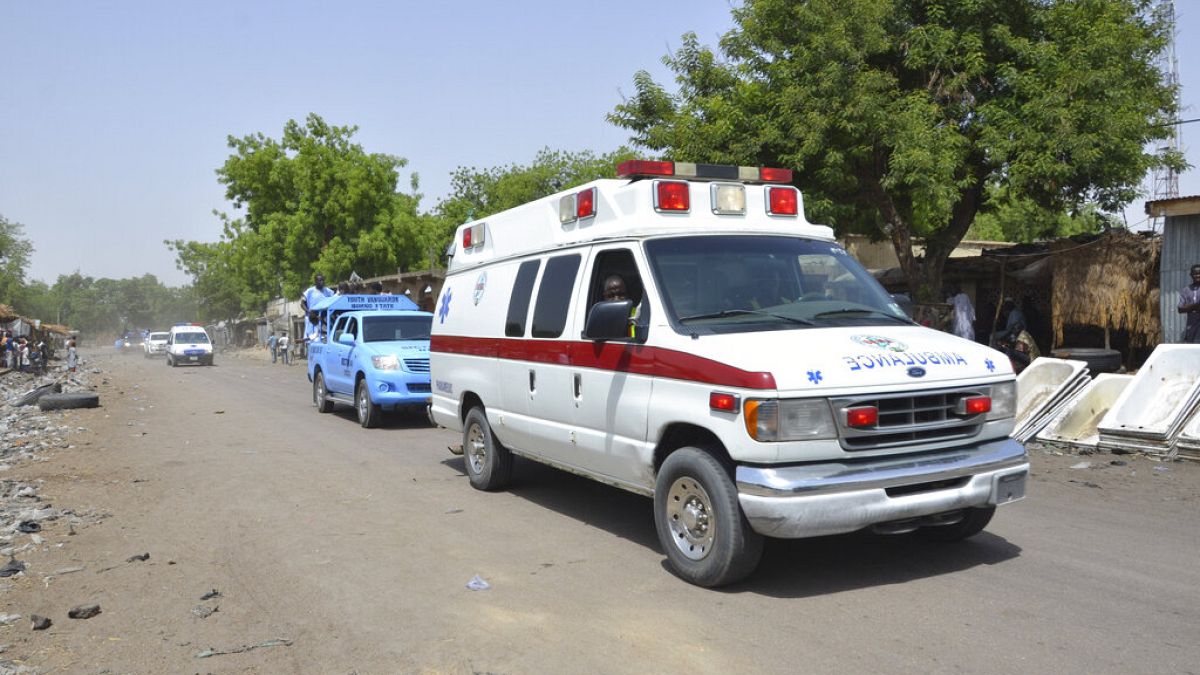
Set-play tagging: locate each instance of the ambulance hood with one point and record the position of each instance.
(844, 359)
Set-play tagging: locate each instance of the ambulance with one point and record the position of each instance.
(682, 332)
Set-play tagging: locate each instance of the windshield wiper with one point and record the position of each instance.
(740, 312)
(854, 310)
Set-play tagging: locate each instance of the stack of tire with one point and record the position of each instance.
(1098, 360)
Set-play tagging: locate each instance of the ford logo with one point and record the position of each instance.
(916, 371)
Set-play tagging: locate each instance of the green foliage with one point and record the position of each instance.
(1014, 219)
(313, 202)
(99, 306)
(904, 117)
(479, 193)
(14, 260)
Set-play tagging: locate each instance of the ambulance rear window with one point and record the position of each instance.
(554, 296)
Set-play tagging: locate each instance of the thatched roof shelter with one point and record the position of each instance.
(7, 313)
(1111, 281)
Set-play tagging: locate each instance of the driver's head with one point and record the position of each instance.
(614, 288)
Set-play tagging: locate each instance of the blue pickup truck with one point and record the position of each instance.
(372, 353)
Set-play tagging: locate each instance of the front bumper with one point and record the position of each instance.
(399, 390)
(812, 500)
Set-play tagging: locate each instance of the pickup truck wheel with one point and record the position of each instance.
(973, 522)
(700, 525)
(489, 464)
(321, 394)
(369, 414)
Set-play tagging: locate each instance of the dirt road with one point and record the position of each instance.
(351, 549)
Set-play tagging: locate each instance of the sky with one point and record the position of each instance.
(114, 115)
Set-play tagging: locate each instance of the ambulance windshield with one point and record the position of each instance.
(739, 283)
(389, 328)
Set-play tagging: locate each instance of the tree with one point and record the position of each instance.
(905, 117)
(476, 193)
(313, 201)
(14, 261)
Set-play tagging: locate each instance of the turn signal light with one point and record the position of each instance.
(866, 416)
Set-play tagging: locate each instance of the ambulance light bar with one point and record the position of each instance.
(641, 168)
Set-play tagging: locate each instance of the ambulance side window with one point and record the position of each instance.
(522, 293)
(554, 296)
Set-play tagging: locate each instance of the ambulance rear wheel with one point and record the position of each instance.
(489, 464)
(700, 524)
(321, 394)
(369, 414)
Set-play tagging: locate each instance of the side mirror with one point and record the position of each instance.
(346, 339)
(608, 320)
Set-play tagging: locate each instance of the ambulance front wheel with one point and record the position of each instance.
(489, 464)
(700, 524)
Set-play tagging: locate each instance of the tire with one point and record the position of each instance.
(81, 399)
(1098, 360)
(700, 525)
(321, 394)
(170, 361)
(973, 522)
(488, 463)
(369, 414)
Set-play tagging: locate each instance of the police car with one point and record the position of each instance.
(683, 333)
(189, 343)
(372, 353)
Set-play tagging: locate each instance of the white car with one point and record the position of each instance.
(189, 343)
(155, 344)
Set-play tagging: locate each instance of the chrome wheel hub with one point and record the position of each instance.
(476, 449)
(690, 517)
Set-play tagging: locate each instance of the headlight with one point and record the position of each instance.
(388, 362)
(805, 419)
(1004, 401)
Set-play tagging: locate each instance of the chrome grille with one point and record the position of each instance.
(908, 419)
(416, 365)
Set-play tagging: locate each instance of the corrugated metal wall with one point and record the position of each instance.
(1180, 250)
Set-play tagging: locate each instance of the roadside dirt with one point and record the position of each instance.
(338, 550)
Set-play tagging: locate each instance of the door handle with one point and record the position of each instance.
(578, 386)
(532, 381)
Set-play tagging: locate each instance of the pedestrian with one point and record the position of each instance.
(72, 356)
(964, 315)
(272, 344)
(23, 355)
(1189, 303)
(283, 349)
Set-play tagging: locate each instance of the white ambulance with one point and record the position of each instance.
(682, 332)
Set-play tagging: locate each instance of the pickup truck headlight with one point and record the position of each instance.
(1004, 401)
(387, 362)
(803, 419)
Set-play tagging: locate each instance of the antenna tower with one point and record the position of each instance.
(1164, 181)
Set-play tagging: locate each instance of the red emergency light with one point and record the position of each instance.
(783, 201)
(641, 168)
(644, 167)
(672, 195)
(865, 416)
(722, 402)
(976, 405)
(585, 203)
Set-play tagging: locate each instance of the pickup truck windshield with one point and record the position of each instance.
(743, 283)
(388, 328)
(191, 338)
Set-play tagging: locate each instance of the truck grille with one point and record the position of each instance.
(418, 387)
(416, 365)
(909, 419)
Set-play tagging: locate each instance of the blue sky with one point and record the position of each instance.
(114, 115)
